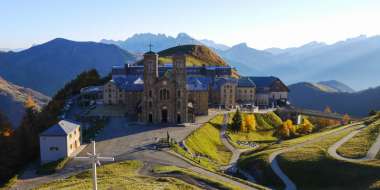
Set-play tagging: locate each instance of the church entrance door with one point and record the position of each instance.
(164, 115)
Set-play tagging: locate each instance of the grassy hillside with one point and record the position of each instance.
(197, 55)
(358, 145)
(121, 175)
(206, 141)
(257, 162)
(310, 167)
(265, 128)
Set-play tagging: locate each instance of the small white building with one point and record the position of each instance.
(59, 141)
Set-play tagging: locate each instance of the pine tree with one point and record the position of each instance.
(237, 121)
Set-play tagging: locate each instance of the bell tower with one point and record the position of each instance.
(150, 77)
(179, 73)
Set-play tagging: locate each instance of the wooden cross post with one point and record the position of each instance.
(94, 159)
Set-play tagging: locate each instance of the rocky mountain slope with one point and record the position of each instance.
(13, 97)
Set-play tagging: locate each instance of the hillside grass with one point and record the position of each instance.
(182, 171)
(265, 129)
(206, 141)
(257, 162)
(358, 146)
(121, 175)
(190, 61)
(310, 167)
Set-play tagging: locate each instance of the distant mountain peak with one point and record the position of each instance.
(241, 45)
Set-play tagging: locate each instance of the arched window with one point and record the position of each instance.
(164, 94)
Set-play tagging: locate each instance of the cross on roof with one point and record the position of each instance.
(94, 159)
(150, 46)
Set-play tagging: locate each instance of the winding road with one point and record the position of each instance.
(289, 184)
(235, 152)
(371, 154)
(232, 166)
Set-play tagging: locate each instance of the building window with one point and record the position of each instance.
(179, 93)
(150, 93)
(164, 94)
(71, 146)
(150, 104)
(70, 136)
(53, 148)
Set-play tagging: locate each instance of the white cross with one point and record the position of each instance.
(95, 159)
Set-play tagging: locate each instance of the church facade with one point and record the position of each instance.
(174, 93)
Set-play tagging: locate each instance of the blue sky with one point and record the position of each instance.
(262, 24)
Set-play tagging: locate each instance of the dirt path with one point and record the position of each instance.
(371, 154)
(289, 184)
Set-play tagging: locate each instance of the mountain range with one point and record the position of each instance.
(47, 67)
(353, 61)
(12, 99)
(311, 96)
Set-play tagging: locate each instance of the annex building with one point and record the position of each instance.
(175, 93)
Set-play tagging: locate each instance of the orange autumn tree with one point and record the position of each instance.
(286, 129)
(306, 127)
(250, 122)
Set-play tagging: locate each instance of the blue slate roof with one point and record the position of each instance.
(246, 82)
(221, 81)
(197, 83)
(129, 83)
(62, 128)
(262, 82)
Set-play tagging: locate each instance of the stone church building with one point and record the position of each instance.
(174, 93)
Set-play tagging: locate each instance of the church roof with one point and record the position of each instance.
(194, 83)
(129, 83)
(62, 128)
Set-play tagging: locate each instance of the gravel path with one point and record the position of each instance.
(371, 154)
(289, 184)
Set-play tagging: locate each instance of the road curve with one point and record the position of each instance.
(371, 154)
(235, 152)
(289, 184)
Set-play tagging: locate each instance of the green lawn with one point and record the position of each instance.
(310, 167)
(206, 141)
(212, 182)
(121, 175)
(358, 145)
